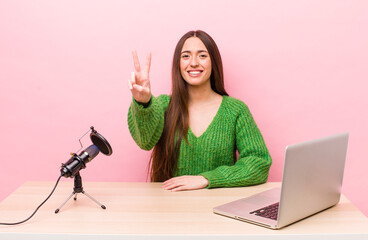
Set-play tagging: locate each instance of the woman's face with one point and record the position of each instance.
(195, 62)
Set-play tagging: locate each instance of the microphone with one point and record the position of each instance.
(78, 162)
(72, 167)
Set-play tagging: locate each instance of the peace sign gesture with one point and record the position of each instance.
(139, 83)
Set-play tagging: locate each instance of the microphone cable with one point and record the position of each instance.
(16, 223)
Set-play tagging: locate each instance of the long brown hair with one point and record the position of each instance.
(166, 152)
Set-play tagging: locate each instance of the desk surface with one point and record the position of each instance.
(135, 210)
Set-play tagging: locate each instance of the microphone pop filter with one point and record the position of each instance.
(102, 144)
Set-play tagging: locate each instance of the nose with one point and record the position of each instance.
(194, 62)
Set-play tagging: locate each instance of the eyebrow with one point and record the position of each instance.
(199, 51)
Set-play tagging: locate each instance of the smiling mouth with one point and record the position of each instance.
(194, 73)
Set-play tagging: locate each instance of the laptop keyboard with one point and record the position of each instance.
(268, 211)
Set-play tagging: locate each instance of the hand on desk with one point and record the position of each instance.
(185, 183)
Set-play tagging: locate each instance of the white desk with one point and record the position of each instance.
(139, 210)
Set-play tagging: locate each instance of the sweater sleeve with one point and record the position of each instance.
(146, 123)
(254, 160)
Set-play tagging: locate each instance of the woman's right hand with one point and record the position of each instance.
(139, 83)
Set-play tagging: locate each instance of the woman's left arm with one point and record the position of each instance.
(251, 168)
(185, 182)
(254, 159)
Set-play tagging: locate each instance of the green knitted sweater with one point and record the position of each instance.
(213, 154)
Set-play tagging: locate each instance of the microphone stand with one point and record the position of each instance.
(78, 188)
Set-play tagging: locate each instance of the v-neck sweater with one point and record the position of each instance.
(214, 153)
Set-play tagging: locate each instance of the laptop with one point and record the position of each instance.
(312, 180)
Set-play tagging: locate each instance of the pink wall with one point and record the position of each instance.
(301, 66)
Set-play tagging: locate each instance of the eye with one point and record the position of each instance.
(203, 56)
(185, 56)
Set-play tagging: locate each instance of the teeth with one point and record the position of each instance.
(194, 72)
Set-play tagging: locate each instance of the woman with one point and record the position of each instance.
(196, 131)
